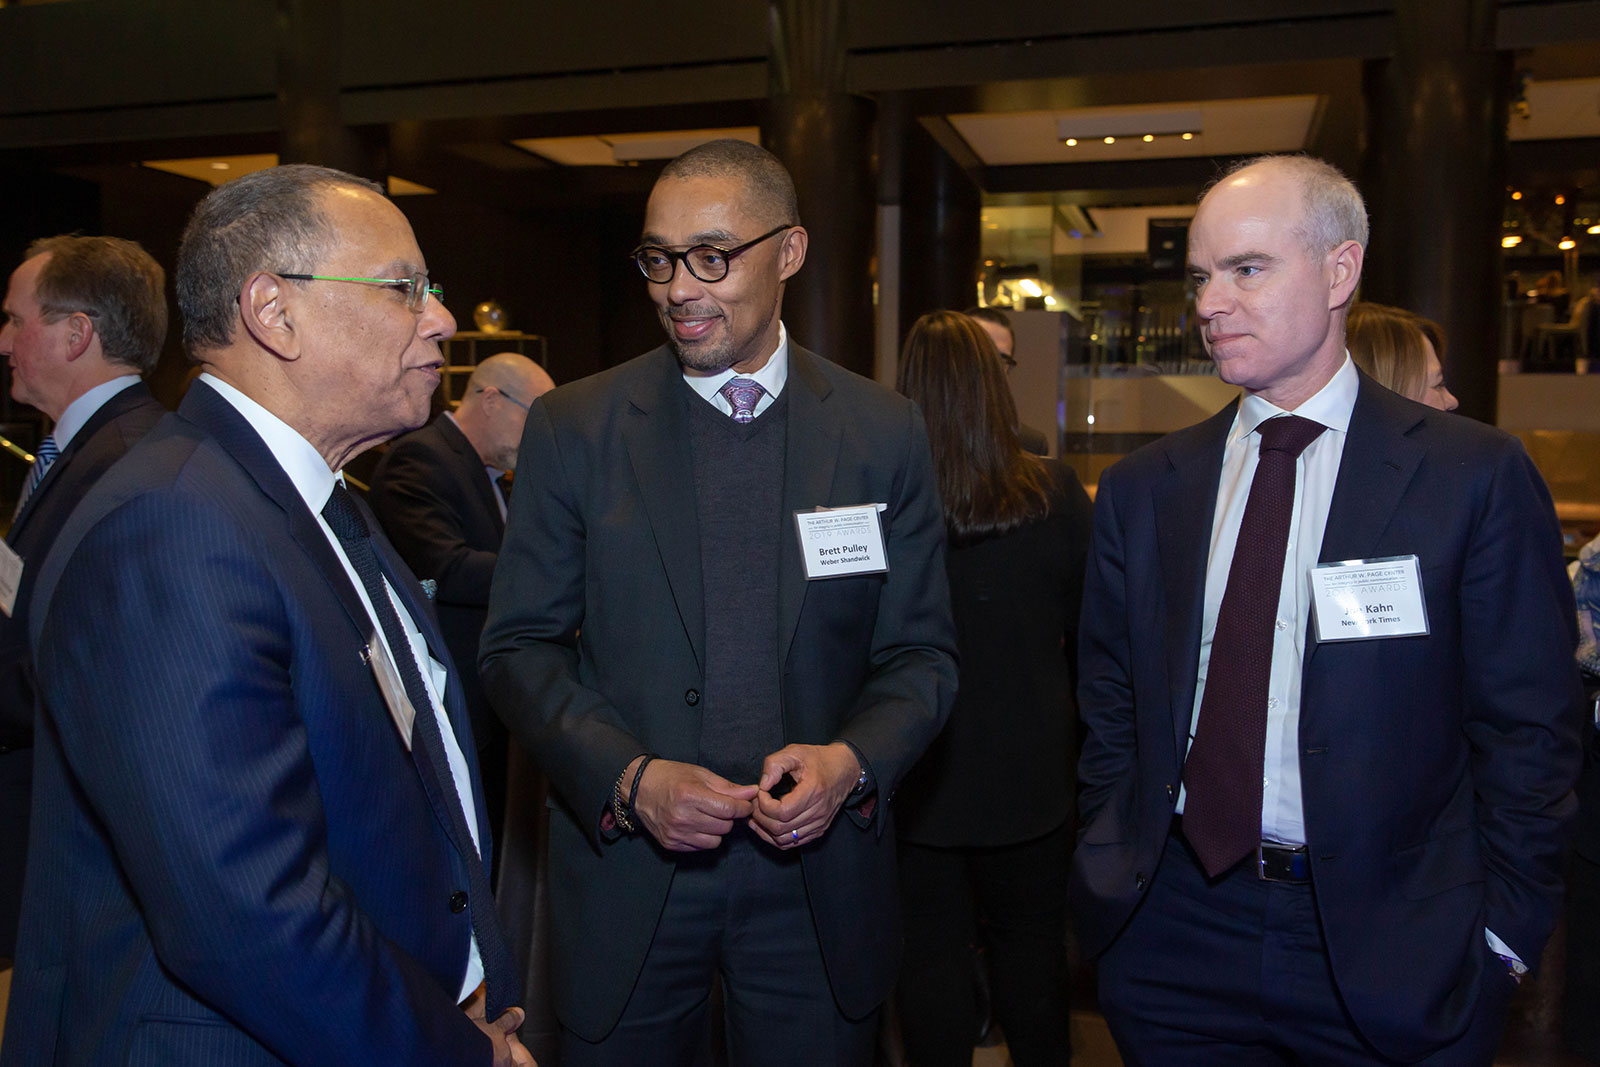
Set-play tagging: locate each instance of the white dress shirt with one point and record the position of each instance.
(82, 409)
(1316, 471)
(770, 377)
(314, 481)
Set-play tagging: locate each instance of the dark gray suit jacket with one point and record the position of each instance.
(595, 645)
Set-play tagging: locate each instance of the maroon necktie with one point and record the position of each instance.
(1222, 775)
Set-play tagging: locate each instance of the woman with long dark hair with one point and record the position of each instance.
(985, 817)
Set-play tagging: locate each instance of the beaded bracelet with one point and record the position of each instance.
(622, 810)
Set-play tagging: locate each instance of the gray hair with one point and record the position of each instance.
(764, 175)
(1334, 211)
(269, 220)
(114, 282)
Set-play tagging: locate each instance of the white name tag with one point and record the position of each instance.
(835, 542)
(1366, 598)
(10, 578)
(392, 688)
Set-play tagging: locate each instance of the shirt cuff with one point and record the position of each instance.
(1503, 950)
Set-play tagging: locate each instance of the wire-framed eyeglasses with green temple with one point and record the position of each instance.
(415, 287)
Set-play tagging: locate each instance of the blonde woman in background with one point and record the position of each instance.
(1401, 350)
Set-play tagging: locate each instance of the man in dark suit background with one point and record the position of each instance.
(1369, 848)
(85, 318)
(258, 829)
(436, 492)
(654, 642)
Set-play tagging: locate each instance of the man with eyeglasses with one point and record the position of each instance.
(437, 493)
(260, 836)
(722, 733)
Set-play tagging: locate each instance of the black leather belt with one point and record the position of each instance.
(1280, 863)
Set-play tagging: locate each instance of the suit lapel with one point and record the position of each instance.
(656, 434)
(474, 473)
(121, 402)
(1185, 503)
(206, 408)
(811, 451)
(1378, 463)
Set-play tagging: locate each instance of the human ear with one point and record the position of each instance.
(1345, 273)
(264, 307)
(792, 253)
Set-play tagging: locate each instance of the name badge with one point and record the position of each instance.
(392, 688)
(1366, 598)
(10, 578)
(836, 542)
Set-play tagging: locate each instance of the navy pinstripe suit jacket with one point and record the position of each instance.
(234, 860)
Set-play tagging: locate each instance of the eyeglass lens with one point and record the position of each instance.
(705, 262)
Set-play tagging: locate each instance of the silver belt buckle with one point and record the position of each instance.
(1285, 857)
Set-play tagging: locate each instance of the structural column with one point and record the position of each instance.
(824, 135)
(308, 36)
(1433, 171)
(941, 211)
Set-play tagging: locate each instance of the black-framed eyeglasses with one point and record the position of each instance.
(708, 263)
(415, 287)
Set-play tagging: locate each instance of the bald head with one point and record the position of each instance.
(511, 373)
(495, 409)
(1332, 210)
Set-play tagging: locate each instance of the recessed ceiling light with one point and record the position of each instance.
(1072, 142)
(1594, 229)
(1566, 243)
(218, 165)
(1149, 137)
(1510, 240)
(1111, 140)
(1516, 195)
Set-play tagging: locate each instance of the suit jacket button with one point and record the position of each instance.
(1138, 880)
(691, 697)
(458, 901)
(1169, 790)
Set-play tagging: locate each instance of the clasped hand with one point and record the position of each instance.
(685, 807)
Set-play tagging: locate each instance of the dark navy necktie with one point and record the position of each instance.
(433, 765)
(1222, 775)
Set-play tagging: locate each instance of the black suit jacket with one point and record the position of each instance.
(234, 858)
(1004, 769)
(596, 640)
(99, 443)
(435, 502)
(1436, 770)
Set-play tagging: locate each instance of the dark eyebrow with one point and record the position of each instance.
(705, 237)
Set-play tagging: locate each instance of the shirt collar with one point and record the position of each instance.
(82, 409)
(1331, 405)
(770, 377)
(299, 459)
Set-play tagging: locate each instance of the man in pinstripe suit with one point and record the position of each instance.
(259, 830)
